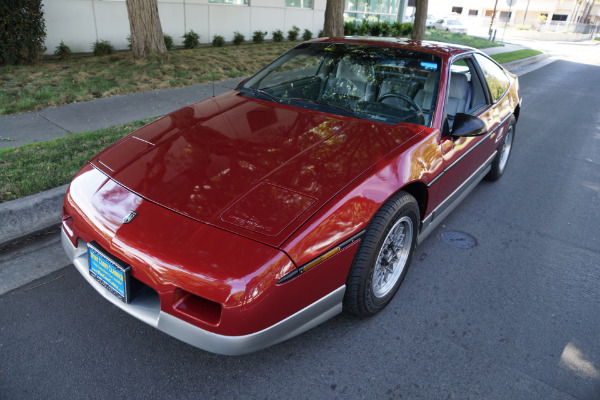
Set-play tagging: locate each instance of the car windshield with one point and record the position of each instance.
(383, 84)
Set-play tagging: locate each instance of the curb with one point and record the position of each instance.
(514, 65)
(32, 214)
(22, 218)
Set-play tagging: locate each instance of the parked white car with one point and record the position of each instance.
(430, 20)
(450, 24)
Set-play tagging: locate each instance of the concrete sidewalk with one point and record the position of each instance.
(24, 217)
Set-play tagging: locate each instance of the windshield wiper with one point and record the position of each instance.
(262, 93)
(344, 110)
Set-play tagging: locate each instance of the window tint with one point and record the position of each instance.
(494, 75)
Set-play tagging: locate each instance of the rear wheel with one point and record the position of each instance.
(383, 257)
(501, 159)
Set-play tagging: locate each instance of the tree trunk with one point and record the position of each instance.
(334, 18)
(146, 31)
(587, 11)
(420, 20)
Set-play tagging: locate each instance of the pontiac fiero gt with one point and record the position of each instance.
(245, 219)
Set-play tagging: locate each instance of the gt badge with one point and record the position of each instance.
(129, 217)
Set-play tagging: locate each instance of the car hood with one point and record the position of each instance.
(249, 166)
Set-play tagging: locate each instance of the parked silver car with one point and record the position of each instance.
(450, 24)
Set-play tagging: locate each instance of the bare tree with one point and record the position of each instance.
(334, 18)
(420, 20)
(146, 31)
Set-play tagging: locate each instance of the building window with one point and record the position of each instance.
(457, 10)
(377, 8)
(559, 17)
(299, 3)
(489, 13)
(236, 2)
(505, 15)
(473, 13)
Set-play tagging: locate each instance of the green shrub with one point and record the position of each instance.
(277, 35)
(191, 40)
(363, 28)
(375, 29)
(321, 33)
(168, 41)
(63, 51)
(407, 29)
(386, 28)
(238, 38)
(102, 48)
(307, 35)
(218, 41)
(22, 31)
(350, 28)
(258, 36)
(293, 33)
(128, 41)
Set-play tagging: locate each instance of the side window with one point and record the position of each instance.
(495, 77)
(465, 92)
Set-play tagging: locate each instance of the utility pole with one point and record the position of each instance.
(510, 4)
(493, 17)
(526, 9)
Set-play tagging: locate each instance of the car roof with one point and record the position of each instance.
(444, 50)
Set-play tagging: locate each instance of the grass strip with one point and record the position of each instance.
(36, 167)
(462, 39)
(502, 58)
(51, 83)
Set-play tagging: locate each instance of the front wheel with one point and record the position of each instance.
(383, 257)
(501, 159)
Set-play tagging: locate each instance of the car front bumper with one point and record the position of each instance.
(146, 307)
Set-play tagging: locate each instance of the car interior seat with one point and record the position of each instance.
(424, 96)
(458, 95)
(351, 80)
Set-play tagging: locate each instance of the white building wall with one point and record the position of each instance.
(79, 23)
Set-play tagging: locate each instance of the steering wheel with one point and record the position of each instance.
(403, 97)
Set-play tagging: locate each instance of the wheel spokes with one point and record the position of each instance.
(392, 257)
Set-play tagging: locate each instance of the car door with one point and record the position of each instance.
(468, 92)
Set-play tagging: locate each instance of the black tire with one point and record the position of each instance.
(501, 160)
(366, 294)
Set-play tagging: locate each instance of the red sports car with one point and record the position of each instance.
(245, 219)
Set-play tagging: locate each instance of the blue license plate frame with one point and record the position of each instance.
(111, 273)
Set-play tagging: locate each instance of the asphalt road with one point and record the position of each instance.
(514, 317)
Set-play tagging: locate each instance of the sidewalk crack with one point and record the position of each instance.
(53, 123)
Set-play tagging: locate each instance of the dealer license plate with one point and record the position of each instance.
(111, 273)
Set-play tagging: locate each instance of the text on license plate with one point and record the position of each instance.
(109, 272)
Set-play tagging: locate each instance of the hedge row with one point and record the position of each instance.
(22, 31)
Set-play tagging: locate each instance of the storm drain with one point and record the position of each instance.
(459, 240)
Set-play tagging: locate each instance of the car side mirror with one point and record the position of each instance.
(466, 125)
